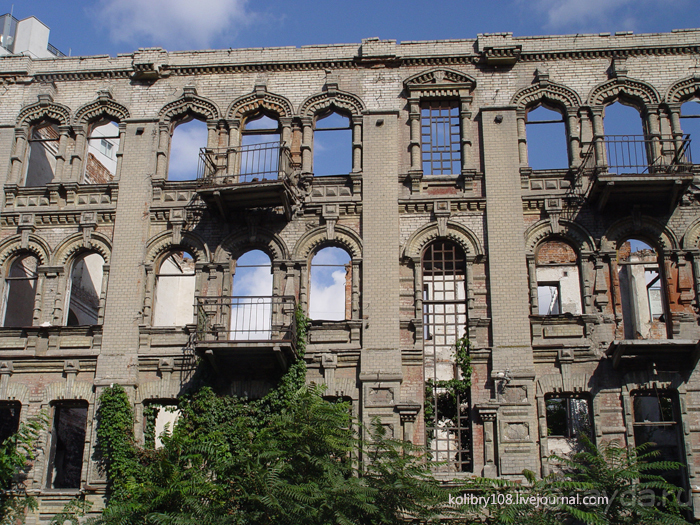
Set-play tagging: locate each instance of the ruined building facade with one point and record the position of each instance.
(573, 269)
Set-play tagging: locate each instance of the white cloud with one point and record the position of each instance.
(328, 302)
(565, 13)
(590, 15)
(173, 24)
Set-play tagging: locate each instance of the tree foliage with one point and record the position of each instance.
(16, 456)
(291, 457)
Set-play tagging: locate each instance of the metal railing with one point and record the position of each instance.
(241, 164)
(246, 319)
(637, 154)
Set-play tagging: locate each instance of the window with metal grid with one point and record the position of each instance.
(440, 137)
(448, 428)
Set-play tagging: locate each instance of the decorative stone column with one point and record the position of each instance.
(307, 136)
(488, 414)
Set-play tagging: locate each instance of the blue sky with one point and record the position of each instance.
(122, 26)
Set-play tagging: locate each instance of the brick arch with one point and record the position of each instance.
(317, 238)
(59, 391)
(238, 243)
(334, 99)
(554, 384)
(691, 237)
(455, 232)
(570, 232)
(164, 242)
(104, 106)
(74, 245)
(17, 391)
(643, 93)
(189, 103)
(12, 246)
(42, 110)
(556, 94)
(683, 90)
(260, 101)
(647, 229)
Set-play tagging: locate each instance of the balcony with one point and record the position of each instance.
(634, 169)
(253, 176)
(253, 333)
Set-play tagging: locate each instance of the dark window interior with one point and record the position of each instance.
(9, 419)
(68, 442)
(568, 417)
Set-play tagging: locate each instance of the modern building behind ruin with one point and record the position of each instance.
(573, 269)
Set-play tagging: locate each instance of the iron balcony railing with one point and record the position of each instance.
(241, 164)
(246, 319)
(638, 154)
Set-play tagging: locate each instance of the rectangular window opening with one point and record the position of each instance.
(548, 299)
(9, 419)
(657, 422)
(440, 138)
(67, 445)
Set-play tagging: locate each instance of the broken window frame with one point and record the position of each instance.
(330, 129)
(574, 424)
(448, 435)
(53, 470)
(565, 132)
(9, 280)
(440, 137)
(94, 138)
(51, 153)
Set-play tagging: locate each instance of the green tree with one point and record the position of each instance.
(16, 456)
(291, 457)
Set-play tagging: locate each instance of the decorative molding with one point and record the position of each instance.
(456, 232)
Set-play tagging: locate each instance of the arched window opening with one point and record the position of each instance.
(568, 416)
(20, 291)
(440, 137)
(188, 137)
(102, 147)
(175, 286)
(448, 427)
(641, 291)
(85, 289)
(625, 146)
(690, 124)
(657, 423)
(260, 149)
(558, 280)
(67, 444)
(251, 304)
(43, 148)
(621, 119)
(333, 145)
(546, 139)
(331, 285)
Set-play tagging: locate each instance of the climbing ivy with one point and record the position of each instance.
(450, 391)
(115, 441)
(150, 413)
